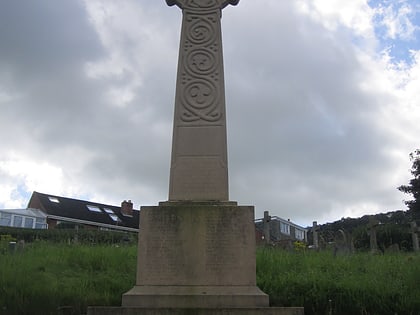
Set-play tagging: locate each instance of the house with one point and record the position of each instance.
(23, 218)
(74, 212)
(279, 230)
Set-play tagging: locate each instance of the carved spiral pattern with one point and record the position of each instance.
(200, 97)
(201, 32)
(200, 100)
(201, 62)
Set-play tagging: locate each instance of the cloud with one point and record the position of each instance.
(334, 14)
(397, 18)
(320, 122)
(319, 102)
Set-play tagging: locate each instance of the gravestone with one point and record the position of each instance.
(373, 223)
(266, 228)
(414, 236)
(196, 251)
(342, 244)
(315, 231)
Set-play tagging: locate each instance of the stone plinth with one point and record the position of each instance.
(189, 311)
(196, 255)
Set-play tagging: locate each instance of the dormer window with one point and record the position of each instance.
(93, 208)
(114, 217)
(53, 199)
(109, 211)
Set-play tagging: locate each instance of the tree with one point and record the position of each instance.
(413, 187)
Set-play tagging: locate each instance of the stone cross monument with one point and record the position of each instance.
(196, 251)
(199, 168)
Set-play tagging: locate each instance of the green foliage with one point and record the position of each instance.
(299, 246)
(5, 240)
(83, 236)
(413, 187)
(394, 228)
(344, 285)
(386, 234)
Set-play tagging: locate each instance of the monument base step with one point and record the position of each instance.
(195, 297)
(101, 310)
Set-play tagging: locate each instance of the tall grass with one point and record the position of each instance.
(344, 285)
(47, 278)
(51, 278)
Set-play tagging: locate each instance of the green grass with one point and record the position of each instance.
(46, 278)
(358, 284)
(51, 278)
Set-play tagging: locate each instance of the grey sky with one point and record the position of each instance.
(320, 118)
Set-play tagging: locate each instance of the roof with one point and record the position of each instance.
(276, 218)
(85, 212)
(29, 212)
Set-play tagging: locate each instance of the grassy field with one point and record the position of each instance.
(64, 279)
(51, 278)
(362, 283)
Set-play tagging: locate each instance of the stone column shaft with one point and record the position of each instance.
(199, 169)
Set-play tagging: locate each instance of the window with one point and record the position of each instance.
(29, 223)
(284, 228)
(114, 217)
(111, 214)
(93, 208)
(40, 223)
(17, 221)
(53, 199)
(299, 234)
(5, 219)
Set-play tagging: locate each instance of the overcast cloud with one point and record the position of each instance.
(322, 102)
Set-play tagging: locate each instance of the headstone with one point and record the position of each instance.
(393, 248)
(315, 231)
(12, 247)
(21, 245)
(341, 243)
(266, 228)
(414, 235)
(373, 223)
(196, 251)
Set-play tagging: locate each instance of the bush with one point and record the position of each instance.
(83, 236)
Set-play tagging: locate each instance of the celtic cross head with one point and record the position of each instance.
(202, 4)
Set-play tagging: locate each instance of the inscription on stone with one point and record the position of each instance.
(199, 246)
(161, 250)
(220, 253)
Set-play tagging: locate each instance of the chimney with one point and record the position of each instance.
(127, 208)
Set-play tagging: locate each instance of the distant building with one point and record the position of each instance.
(23, 218)
(279, 230)
(74, 212)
